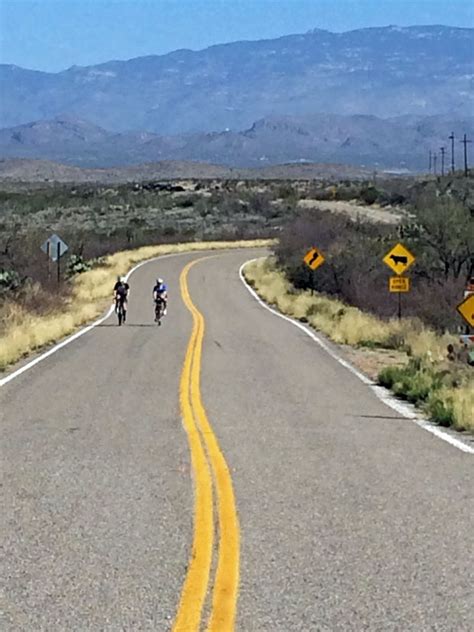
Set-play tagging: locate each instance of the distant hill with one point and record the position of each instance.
(40, 171)
(384, 72)
(397, 143)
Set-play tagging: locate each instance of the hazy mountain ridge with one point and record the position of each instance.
(401, 142)
(39, 171)
(386, 71)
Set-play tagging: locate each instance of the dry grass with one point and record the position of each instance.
(463, 406)
(340, 322)
(25, 332)
(349, 325)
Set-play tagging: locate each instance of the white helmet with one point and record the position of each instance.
(159, 281)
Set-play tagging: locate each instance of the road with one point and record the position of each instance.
(304, 504)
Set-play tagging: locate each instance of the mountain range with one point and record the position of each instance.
(401, 143)
(387, 95)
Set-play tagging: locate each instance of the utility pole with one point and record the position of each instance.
(435, 160)
(430, 161)
(465, 142)
(443, 151)
(451, 138)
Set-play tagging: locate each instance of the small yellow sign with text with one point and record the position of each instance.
(399, 284)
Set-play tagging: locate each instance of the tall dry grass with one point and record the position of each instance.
(349, 325)
(343, 323)
(24, 332)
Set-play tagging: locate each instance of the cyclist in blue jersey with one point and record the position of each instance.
(160, 294)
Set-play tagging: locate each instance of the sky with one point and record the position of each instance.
(53, 35)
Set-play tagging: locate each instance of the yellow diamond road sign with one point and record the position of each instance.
(313, 258)
(466, 309)
(399, 259)
(399, 284)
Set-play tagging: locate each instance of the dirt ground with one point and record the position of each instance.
(374, 213)
(371, 361)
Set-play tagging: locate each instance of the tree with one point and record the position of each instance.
(443, 234)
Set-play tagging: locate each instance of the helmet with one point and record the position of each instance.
(122, 279)
(159, 281)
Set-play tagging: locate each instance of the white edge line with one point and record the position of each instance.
(84, 330)
(406, 410)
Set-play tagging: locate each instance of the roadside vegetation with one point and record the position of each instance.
(347, 298)
(423, 376)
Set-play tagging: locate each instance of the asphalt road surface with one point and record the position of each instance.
(222, 472)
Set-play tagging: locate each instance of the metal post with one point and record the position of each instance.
(430, 161)
(48, 255)
(59, 261)
(435, 160)
(465, 142)
(399, 305)
(451, 138)
(443, 150)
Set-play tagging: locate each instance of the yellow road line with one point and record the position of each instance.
(193, 594)
(225, 591)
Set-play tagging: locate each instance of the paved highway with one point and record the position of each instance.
(222, 472)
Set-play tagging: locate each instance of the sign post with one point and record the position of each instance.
(55, 248)
(399, 259)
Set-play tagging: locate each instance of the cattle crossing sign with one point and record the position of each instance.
(314, 258)
(399, 259)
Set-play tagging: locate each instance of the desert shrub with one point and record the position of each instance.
(186, 202)
(347, 193)
(440, 408)
(10, 280)
(77, 265)
(369, 195)
(440, 233)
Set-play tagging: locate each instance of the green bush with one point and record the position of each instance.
(413, 382)
(440, 409)
(421, 385)
(9, 281)
(369, 195)
(77, 265)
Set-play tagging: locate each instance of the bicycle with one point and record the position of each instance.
(159, 310)
(120, 310)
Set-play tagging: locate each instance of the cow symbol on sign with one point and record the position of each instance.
(399, 259)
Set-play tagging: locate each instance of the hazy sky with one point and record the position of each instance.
(55, 34)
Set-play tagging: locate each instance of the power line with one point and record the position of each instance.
(435, 160)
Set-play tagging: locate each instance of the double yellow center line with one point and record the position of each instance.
(211, 474)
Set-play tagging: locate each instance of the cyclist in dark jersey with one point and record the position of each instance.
(121, 293)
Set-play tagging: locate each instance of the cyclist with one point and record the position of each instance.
(121, 293)
(160, 293)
